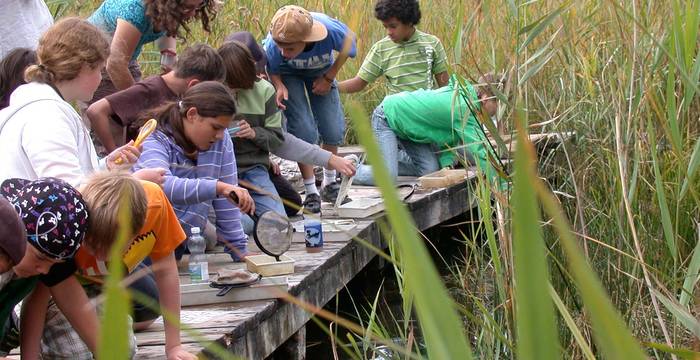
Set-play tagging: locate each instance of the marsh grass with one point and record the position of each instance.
(604, 258)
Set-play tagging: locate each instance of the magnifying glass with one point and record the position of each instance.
(146, 129)
(272, 232)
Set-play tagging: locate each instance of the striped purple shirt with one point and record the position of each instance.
(191, 186)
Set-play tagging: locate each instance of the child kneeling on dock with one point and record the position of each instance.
(155, 235)
(42, 224)
(422, 119)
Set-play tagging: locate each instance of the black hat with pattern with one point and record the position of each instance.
(54, 214)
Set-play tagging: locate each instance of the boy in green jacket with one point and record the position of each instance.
(419, 120)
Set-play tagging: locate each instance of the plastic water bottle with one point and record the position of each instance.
(313, 232)
(199, 267)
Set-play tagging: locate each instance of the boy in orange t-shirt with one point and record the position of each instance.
(156, 239)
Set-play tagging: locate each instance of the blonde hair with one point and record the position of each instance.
(103, 193)
(65, 48)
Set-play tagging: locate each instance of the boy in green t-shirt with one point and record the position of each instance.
(418, 120)
(409, 58)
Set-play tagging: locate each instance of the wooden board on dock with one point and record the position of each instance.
(254, 329)
(202, 294)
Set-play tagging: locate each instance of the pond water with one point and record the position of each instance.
(357, 297)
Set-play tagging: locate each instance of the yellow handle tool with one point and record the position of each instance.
(146, 129)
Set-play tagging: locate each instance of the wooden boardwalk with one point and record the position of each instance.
(254, 329)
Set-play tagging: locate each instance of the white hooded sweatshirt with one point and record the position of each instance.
(41, 135)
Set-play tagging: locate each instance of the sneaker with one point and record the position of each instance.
(330, 192)
(312, 203)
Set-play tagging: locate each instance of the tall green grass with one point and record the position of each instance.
(601, 259)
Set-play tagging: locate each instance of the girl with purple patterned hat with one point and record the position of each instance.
(50, 216)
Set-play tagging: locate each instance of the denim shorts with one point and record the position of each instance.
(309, 115)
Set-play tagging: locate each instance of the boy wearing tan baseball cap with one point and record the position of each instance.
(300, 61)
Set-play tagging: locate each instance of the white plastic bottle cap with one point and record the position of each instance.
(195, 230)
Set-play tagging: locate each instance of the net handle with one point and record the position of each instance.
(232, 195)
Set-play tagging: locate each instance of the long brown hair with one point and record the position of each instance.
(239, 65)
(166, 15)
(210, 98)
(12, 68)
(65, 48)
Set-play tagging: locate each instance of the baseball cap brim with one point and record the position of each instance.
(318, 32)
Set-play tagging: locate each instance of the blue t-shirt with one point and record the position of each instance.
(131, 11)
(320, 56)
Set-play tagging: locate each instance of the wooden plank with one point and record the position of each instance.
(200, 294)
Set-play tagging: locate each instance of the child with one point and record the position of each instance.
(300, 62)
(41, 135)
(12, 69)
(192, 143)
(156, 235)
(408, 57)
(418, 119)
(114, 118)
(257, 129)
(292, 148)
(52, 217)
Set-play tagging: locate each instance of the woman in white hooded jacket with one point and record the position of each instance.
(41, 134)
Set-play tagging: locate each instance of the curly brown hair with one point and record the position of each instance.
(169, 15)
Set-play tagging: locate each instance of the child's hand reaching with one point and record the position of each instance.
(128, 154)
(275, 167)
(178, 353)
(245, 131)
(342, 165)
(321, 86)
(282, 95)
(245, 201)
(155, 175)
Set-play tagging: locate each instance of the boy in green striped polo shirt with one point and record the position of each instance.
(409, 58)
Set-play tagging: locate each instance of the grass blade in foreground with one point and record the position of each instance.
(534, 313)
(114, 339)
(439, 320)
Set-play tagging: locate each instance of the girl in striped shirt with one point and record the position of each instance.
(192, 144)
